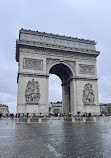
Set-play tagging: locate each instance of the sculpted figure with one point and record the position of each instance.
(32, 92)
(88, 94)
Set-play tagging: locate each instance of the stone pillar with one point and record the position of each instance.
(28, 120)
(73, 119)
(25, 104)
(65, 110)
(39, 120)
(66, 97)
(73, 97)
(17, 120)
(62, 119)
(47, 96)
(63, 99)
(84, 119)
(51, 119)
(6, 120)
(94, 119)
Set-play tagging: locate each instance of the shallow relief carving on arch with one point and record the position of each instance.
(88, 95)
(86, 69)
(51, 62)
(34, 64)
(32, 92)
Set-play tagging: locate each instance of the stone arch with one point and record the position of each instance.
(72, 59)
(62, 71)
(69, 64)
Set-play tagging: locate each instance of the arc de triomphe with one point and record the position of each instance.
(74, 60)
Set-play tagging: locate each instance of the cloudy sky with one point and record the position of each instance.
(89, 19)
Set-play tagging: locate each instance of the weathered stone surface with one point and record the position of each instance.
(86, 69)
(88, 94)
(72, 59)
(32, 92)
(33, 64)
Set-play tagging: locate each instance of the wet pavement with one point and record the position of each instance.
(55, 140)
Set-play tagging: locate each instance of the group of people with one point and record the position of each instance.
(18, 115)
(7, 115)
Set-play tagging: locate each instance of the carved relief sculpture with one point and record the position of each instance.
(70, 63)
(88, 94)
(51, 61)
(34, 64)
(86, 69)
(32, 92)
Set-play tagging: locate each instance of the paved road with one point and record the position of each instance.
(56, 140)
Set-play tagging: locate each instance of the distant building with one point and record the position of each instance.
(105, 108)
(4, 109)
(55, 108)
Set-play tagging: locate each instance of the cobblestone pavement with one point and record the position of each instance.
(55, 140)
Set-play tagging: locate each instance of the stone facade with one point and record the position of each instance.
(73, 60)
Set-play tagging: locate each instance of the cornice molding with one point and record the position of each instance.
(84, 78)
(56, 36)
(27, 74)
(79, 78)
(36, 45)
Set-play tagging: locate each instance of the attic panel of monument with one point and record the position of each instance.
(55, 42)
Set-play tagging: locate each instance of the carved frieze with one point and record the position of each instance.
(70, 63)
(86, 69)
(32, 92)
(51, 61)
(74, 55)
(88, 95)
(34, 64)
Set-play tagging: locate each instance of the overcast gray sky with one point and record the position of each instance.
(89, 19)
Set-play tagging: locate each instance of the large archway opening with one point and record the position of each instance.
(55, 88)
(55, 95)
(65, 75)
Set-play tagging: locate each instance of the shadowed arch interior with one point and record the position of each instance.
(62, 71)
